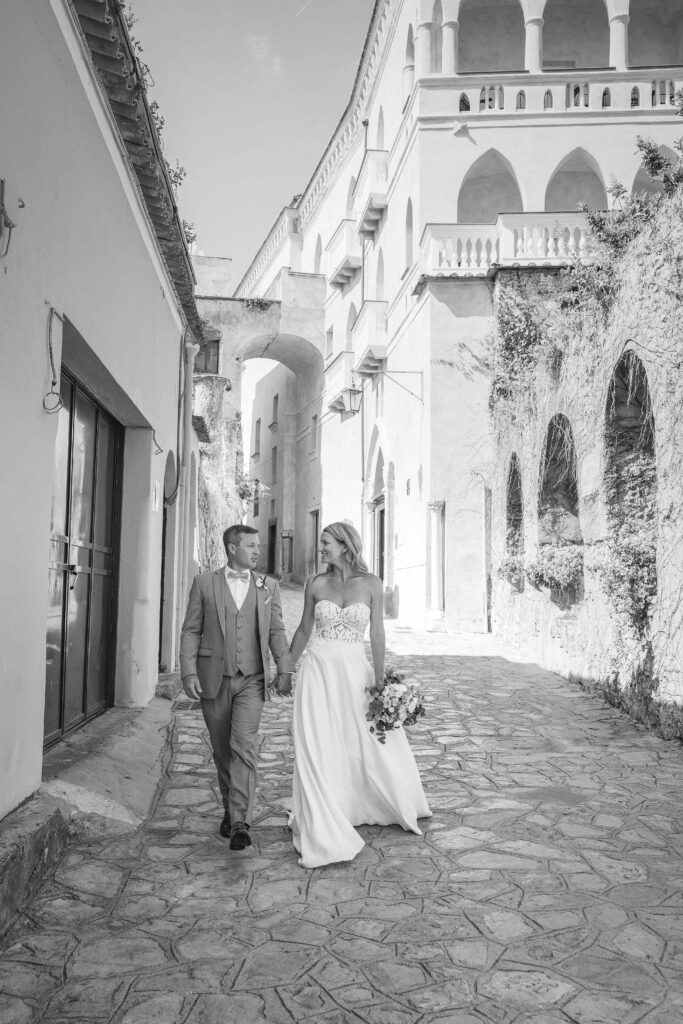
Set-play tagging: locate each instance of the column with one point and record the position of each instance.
(436, 556)
(423, 39)
(618, 11)
(451, 33)
(533, 23)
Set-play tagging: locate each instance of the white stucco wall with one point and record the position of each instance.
(81, 243)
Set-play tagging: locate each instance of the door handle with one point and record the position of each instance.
(73, 571)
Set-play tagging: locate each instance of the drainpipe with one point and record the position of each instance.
(191, 350)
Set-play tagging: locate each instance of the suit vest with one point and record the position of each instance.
(242, 640)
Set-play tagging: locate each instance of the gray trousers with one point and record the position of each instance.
(233, 718)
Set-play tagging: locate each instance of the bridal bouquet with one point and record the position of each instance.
(393, 704)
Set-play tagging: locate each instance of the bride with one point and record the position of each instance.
(342, 775)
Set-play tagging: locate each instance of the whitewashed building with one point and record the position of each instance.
(98, 331)
(474, 130)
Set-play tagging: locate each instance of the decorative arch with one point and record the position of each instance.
(352, 317)
(577, 179)
(464, 104)
(520, 103)
(350, 199)
(379, 138)
(477, 24)
(565, 46)
(409, 64)
(490, 187)
(558, 496)
(548, 100)
(379, 277)
(409, 243)
(318, 258)
(437, 38)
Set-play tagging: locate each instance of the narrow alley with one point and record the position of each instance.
(547, 887)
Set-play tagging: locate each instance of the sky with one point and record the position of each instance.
(251, 91)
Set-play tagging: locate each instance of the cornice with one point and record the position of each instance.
(346, 134)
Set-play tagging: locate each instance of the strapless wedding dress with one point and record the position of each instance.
(342, 775)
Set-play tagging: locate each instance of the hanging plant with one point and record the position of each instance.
(556, 567)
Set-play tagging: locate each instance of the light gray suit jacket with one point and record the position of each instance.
(203, 639)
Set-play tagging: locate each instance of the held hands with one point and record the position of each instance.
(281, 684)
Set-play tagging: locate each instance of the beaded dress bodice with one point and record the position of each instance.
(345, 624)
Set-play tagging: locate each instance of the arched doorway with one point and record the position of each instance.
(379, 519)
(558, 497)
(489, 188)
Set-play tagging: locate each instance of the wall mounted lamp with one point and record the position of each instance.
(352, 398)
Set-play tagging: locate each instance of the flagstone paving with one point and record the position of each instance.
(547, 888)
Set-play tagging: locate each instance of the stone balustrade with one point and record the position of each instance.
(516, 239)
(551, 91)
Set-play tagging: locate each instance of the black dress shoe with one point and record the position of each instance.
(239, 836)
(225, 826)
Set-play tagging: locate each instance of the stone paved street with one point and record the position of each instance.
(548, 887)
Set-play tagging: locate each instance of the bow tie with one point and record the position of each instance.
(232, 575)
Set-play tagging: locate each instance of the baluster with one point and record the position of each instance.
(449, 253)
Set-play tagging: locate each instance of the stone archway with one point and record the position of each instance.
(490, 187)
(577, 179)
(288, 331)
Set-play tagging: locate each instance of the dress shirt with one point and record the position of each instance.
(238, 587)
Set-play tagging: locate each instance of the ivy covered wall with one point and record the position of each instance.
(586, 401)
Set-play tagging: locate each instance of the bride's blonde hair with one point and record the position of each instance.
(349, 536)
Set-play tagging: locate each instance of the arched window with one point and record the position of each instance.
(548, 100)
(437, 38)
(558, 498)
(349, 199)
(380, 129)
(379, 285)
(635, 96)
(631, 489)
(521, 100)
(353, 315)
(514, 525)
(409, 65)
(409, 234)
(464, 104)
(606, 98)
(482, 100)
(317, 262)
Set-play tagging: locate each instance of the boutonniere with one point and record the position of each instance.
(260, 582)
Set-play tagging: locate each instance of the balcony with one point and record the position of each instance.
(551, 93)
(343, 254)
(370, 193)
(338, 377)
(370, 338)
(515, 240)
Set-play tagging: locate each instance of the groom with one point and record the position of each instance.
(233, 617)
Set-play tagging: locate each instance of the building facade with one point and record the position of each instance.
(99, 329)
(473, 133)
